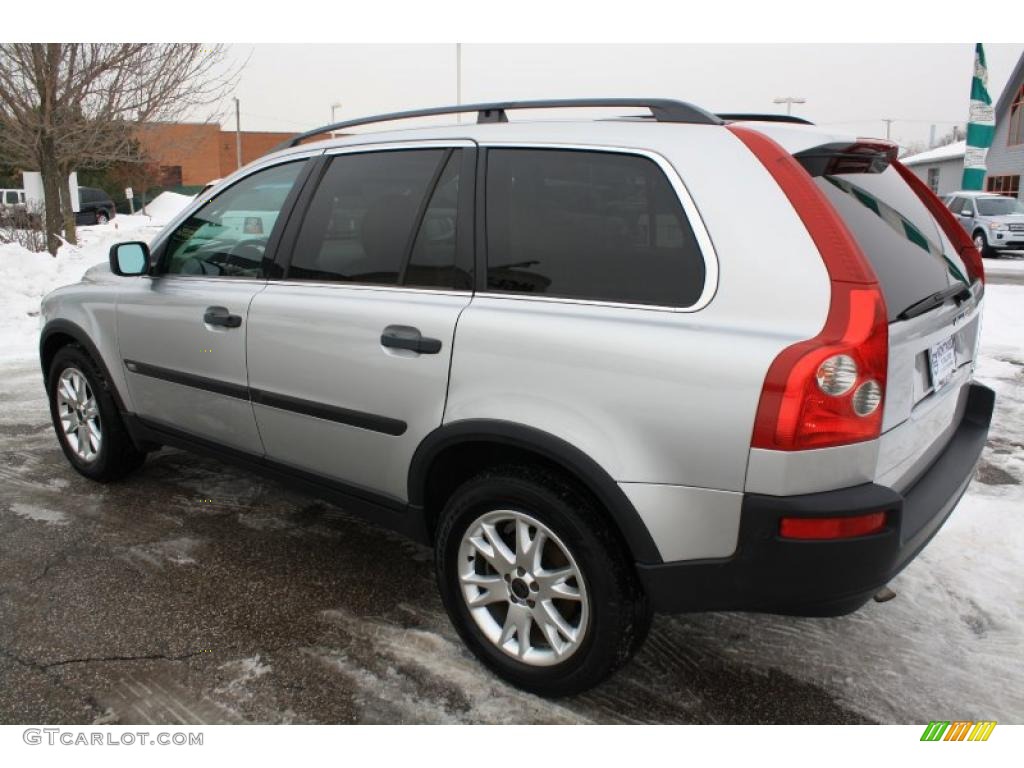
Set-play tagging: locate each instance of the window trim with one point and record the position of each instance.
(690, 210)
(1007, 190)
(1016, 121)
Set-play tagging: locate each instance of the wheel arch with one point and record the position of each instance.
(456, 451)
(59, 333)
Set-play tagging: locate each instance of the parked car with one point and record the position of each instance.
(994, 222)
(561, 354)
(95, 206)
(12, 202)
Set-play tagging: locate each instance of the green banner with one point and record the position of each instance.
(981, 125)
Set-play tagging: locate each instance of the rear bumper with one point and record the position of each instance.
(826, 578)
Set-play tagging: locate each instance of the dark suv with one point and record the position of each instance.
(96, 207)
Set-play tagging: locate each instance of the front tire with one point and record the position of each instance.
(87, 420)
(981, 243)
(535, 582)
(102, 217)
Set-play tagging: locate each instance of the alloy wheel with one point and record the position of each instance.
(523, 588)
(79, 414)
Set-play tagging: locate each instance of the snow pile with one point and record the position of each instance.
(26, 277)
(166, 205)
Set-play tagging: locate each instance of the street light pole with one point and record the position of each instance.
(238, 132)
(888, 126)
(458, 77)
(335, 106)
(789, 101)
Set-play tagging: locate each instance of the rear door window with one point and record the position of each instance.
(911, 256)
(361, 221)
(588, 225)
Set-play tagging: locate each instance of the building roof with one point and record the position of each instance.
(1012, 86)
(953, 151)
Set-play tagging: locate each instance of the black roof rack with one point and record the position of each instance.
(732, 117)
(662, 110)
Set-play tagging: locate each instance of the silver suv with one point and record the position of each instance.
(605, 367)
(994, 222)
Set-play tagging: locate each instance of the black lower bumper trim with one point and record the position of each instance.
(771, 574)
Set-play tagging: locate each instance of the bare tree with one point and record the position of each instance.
(72, 105)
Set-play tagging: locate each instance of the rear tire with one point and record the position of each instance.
(86, 418)
(579, 628)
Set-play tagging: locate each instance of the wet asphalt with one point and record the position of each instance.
(196, 593)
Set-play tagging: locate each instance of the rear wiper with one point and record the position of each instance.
(958, 293)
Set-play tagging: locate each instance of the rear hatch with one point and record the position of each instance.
(932, 341)
(933, 306)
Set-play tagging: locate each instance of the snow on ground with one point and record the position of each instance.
(26, 277)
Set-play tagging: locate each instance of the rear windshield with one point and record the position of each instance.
(911, 256)
(999, 206)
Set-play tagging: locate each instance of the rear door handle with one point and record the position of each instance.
(222, 317)
(407, 337)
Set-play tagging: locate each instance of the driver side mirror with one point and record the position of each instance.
(129, 259)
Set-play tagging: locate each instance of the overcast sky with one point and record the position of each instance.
(292, 87)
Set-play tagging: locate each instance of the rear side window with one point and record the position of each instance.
(361, 222)
(588, 225)
(904, 244)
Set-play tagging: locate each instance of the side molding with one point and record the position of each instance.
(572, 459)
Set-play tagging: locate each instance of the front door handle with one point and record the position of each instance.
(222, 317)
(407, 337)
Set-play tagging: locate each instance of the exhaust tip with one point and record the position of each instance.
(884, 595)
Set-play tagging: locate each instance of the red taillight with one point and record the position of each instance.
(795, 412)
(957, 235)
(831, 527)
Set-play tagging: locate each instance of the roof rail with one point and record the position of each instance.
(732, 117)
(662, 110)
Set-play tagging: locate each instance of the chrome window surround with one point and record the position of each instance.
(704, 241)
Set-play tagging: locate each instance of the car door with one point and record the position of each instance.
(182, 329)
(349, 354)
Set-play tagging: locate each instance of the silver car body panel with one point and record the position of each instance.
(662, 398)
(160, 323)
(320, 342)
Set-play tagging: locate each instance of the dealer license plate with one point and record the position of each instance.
(943, 362)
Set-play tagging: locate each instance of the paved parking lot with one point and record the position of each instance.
(199, 594)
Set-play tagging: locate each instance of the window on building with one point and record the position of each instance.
(1003, 185)
(1016, 132)
(933, 180)
(170, 175)
(588, 225)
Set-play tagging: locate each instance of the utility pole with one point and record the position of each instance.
(458, 77)
(888, 126)
(238, 131)
(931, 136)
(789, 101)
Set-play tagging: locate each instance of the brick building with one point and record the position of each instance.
(192, 154)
